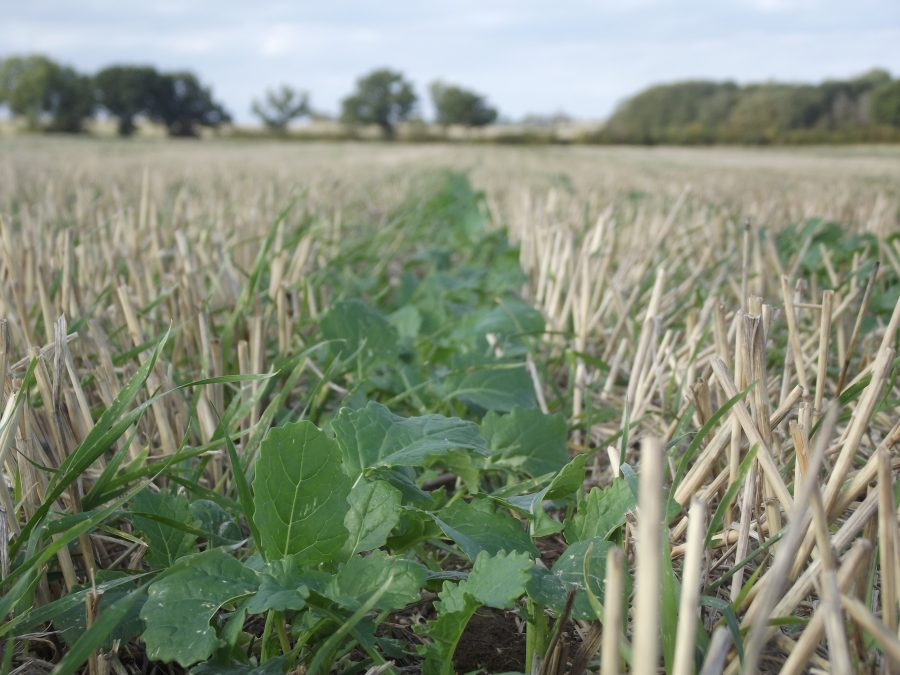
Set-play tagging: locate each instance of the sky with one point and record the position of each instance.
(529, 56)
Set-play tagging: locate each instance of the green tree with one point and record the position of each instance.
(455, 105)
(382, 97)
(280, 106)
(46, 94)
(691, 111)
(182, 103)
(886, 104)
(71, 100)
(764, 113)
(126, 92)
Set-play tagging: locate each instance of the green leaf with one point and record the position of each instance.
(354, 582)
(374, 437)
(567, 481)
(510, 318)
(527, 438)
(215, 520)
(300, 494)
(374, 511)
(478, 528)
(552, 587)
(282, 586)
(499, 580)
(358, 327)
(180, 606)
(491, 384)
(601, 512)
(165, 544)
(407, 321)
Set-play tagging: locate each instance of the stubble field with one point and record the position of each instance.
(368, 408)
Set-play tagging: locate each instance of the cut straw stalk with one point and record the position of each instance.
(858, 425)
(649, 539)
(612, 611)
(824, 335)
(887, 541)
(793, 333)
(688, 614)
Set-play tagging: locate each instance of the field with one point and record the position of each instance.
(373, 408)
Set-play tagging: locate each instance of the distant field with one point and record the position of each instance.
(365, 408)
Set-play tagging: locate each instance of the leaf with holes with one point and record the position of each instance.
(374, 511)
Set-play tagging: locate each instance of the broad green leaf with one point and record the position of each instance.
(407, 321)
(413, 528)
(300, 494)
(499, 580)
(359, 327)
(282, 586)
(552, 587)
(601, 512)
(180, 606)
(215, 520)
(566, 482)
(477, 527)
(509, 318)
(374, 511)
(359, 576)
(491, 384)
(527, 438)
(374, 437)
(165, 544)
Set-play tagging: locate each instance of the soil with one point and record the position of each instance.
(493, 642)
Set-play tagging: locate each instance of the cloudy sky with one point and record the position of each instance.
(579, 56)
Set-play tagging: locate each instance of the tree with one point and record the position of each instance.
(382, 97)
(455, 105)
(886, 104)
(280, 106)
(690, 111)
(126, 92)
(70, 100)
(45, 93)
(181, 103)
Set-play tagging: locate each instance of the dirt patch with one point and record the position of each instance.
(493, 642)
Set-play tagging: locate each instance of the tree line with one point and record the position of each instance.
(50, 96)
(54, 97)
(864, 108)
